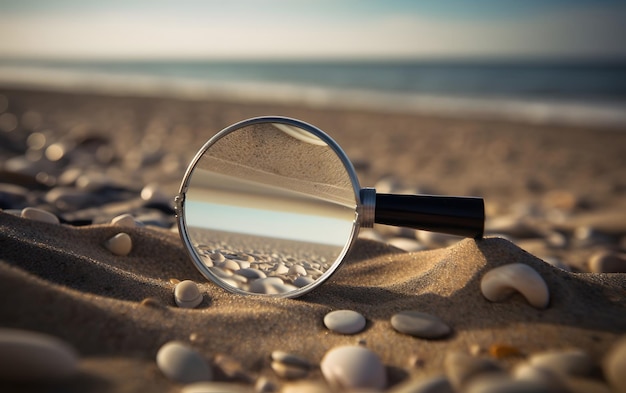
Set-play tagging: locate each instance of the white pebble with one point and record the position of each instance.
(124, 220)
(27, 356)
(344, 321)
(32, 213)
(419, 324)
(499, 283)
(187, 294)
(353, 367)
(296, 270)
(120, 244)
(181, 363)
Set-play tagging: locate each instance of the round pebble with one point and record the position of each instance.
(353, 367)
(344, 321)
(181, 363)
(27, 356)
(437, 384)
(501, 282)
(462, 368)
(607, 262)
(303, 281)
(33, 213)
(120, 244)
(187, 294)
(289, 371)
(291, 359)
(614, 366)
(574, 362)
(419, 324)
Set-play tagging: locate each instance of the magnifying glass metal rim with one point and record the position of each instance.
(364, 200)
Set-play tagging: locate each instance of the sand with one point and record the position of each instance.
(61, 280)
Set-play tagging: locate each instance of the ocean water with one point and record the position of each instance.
(579, 93)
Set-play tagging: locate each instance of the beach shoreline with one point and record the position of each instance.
(552, 193)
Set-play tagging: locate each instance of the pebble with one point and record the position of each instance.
(290, 359)
(32, 213)
(120, 244)
(181, 363)
(251, 273)
(607, 262)
(437, 384)
(215, 387)
(614, 366)
(27, 356)
(187, 294)
(353, 367)
(296, 270)
(264, 385)
(573, 362)
(419, 324)
(303, 281)
(306, 387)
(540, 375)
(344, 321)
(462, 368)
(502, 383)
(124, 220)
(288, 371)
(501, 282)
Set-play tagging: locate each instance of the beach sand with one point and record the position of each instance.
(552, 193)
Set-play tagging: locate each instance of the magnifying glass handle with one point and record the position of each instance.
(463, 216)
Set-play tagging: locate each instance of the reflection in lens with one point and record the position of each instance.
(269, 210)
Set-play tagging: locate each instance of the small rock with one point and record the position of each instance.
(120, 244)
(461, 368)
(344, 321)
(290, 359)
(353, 367)
(573, 362)
(28, 356)
(33, 213)
(540, 375)
(614, 366)
(296, 270)
(124, 220)
(187, 294)
(501, 383)
(419, 324)
(181, 363)
(501, 282)
(264, 385)
(438, 384)
(607, 262)
(303, 281)
(288, 371)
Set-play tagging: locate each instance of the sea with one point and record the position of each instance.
(581, 93)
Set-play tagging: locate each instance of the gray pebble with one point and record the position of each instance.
(27, 356)
(181, 363)
(303, 281)
(419, 324)
(573, 362)
(344, 321)
(353, 367)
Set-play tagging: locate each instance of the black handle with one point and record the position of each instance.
(463, 216)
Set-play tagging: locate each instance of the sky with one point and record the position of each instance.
(190, 29)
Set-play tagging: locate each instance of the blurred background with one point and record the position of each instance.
(543, 61)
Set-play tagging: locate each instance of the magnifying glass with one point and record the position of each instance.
(272, 205)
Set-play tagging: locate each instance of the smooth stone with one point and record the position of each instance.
(419, 324)
(120, 244)
(217, 257)
(28, 356)
(353, 367)
(607, 262)
(187, 294)
(124, 220)
(303, 281)
(614, 366)
(462, 368)
(344, 321)
(573, 362)
(296, 270)
(501, 282)
(229, 264)
(181, 363)
(32, 213)
(251, 273)
(437, 384)
(268, 286)
(540, 375)
(264, 385)
(290, 359)
(502, 383)
(289, 371)
(215, 387)
(306, 387)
